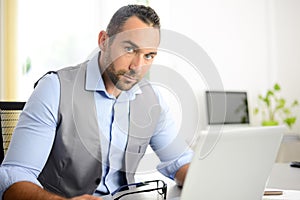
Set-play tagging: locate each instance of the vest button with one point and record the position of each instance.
(97, 181)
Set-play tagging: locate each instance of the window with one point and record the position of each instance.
(53, 34)
(60, 33)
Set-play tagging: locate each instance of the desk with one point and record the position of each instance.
(289, 148)
(282, 177)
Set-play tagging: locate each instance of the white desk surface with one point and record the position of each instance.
(286, 178)
(283, 177)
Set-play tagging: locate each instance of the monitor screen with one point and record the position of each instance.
(224, 107)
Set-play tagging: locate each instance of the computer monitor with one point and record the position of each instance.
(227, 107)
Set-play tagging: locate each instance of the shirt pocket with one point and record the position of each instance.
(141, 149)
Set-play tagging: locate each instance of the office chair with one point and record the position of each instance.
(9, 116)
(1, 144)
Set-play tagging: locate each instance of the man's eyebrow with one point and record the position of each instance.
(131, 43)
(152, 53)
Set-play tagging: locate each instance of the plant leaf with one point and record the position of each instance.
(277, 87)
(290, 121)
(295, 103)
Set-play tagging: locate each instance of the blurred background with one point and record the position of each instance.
(253, 43)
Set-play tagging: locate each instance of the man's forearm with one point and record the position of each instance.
(28, 191)
(181, 174)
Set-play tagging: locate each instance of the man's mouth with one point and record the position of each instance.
(129, 78)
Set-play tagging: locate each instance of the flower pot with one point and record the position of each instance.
(269, 123)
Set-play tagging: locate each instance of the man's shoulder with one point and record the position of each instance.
(72, 68)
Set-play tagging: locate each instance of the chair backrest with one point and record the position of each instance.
(9, 115)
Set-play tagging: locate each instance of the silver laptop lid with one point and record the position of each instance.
(232, 164)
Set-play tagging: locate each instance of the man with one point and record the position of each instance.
(85, 128)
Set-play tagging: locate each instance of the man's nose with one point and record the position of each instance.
(137, 62)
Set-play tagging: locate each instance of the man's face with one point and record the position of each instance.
(130, 54)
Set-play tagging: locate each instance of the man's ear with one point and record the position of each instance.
(102, 40)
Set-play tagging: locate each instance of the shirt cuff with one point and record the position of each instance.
(12, 174)
(169, 169)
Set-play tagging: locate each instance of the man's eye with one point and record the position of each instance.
(149, 56)
(129, 49)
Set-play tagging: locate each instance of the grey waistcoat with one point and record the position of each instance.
(74, 165)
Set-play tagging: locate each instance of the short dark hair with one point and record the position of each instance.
(144, 13)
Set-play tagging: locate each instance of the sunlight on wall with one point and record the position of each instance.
(53, 34)
(8, 49)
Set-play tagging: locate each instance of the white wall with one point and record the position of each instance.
(253, 43)
(286, 43)
(234, 34)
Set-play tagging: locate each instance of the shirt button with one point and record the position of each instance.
(97, 181)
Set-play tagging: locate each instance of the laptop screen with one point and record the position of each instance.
(227, 107)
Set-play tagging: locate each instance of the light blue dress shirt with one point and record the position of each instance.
(35, 132)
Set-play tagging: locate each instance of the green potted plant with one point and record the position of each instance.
(274, 108)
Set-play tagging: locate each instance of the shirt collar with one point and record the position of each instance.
(94, 81)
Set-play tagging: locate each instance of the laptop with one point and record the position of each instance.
(232, 163)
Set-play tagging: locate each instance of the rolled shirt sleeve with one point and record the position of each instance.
(168, 144)
(33, 137)
(10, 174)
(169, 169)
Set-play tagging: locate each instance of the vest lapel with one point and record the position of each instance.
(144, 114)
(83, 102)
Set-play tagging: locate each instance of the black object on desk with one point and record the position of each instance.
(295, 164)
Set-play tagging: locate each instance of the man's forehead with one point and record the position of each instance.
(141, 38)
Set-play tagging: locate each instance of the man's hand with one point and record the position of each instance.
(181, 174)
(29, 191)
